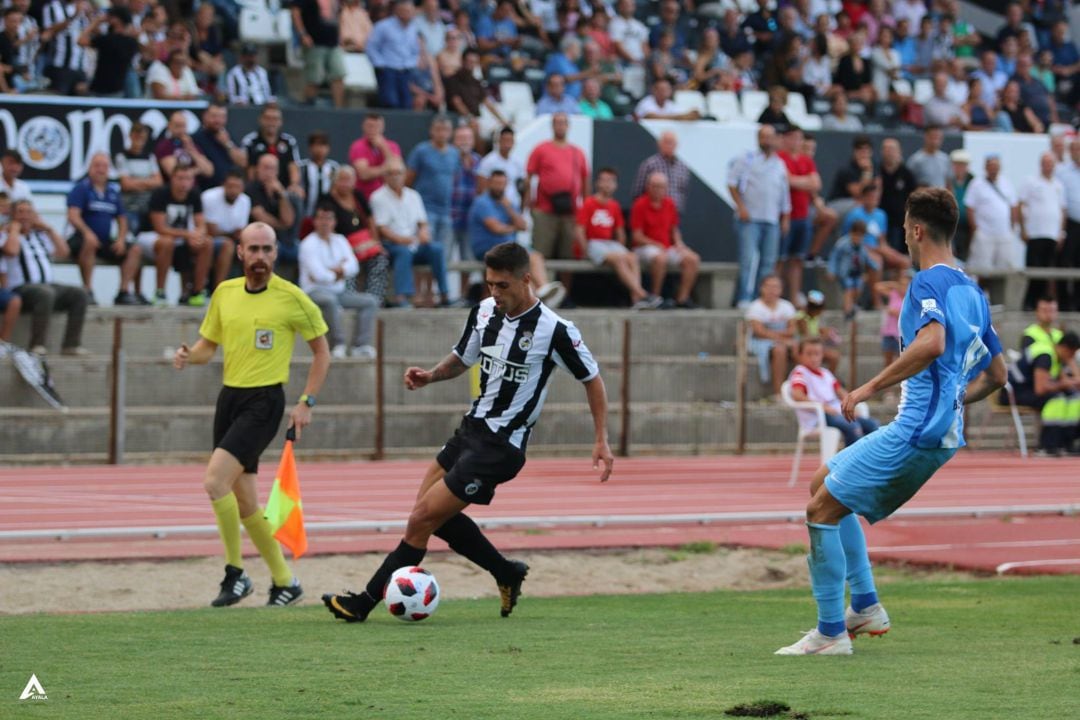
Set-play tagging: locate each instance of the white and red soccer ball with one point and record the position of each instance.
(412, 594)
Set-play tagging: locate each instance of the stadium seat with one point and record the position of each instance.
(795, 108)
(724, 106)
(535, 78)
(498, 74)
(753, 103)
(634, 81)
(810, 122)
(828, 437)
(924, 90)
(257, 25)
(902, 87)
(687, 100)
(359, 73)
(517, 101)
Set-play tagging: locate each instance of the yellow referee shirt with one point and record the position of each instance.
(257, 330)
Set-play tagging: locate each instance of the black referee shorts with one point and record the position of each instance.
(476, 460)
(247, 420)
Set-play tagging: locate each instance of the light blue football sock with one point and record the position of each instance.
(859, 574)
(827, 565)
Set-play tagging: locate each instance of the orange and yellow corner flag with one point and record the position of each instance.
(284, 510)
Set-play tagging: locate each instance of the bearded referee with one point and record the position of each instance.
(518, 342)
(255, 319)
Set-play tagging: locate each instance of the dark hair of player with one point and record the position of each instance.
(508, 257)
(935, 209)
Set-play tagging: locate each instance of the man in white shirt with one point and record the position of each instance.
(11, 167)
(660, 106)
(403, 227)
(226, 210)
(499, 159)
(629, 34)
(1042, 223)
(1069, 175)
(992, 210)
(326, 264)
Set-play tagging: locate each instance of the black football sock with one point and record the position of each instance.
(467, 539)
(404, 555)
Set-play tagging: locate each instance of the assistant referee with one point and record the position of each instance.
(255, 319)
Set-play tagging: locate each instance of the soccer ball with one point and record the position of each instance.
(412, 594)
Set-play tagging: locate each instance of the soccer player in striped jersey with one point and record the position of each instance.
(518, 342)
(950, 357)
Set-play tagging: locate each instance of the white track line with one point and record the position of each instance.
(1006, 567)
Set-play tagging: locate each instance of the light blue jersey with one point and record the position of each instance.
(931, 411)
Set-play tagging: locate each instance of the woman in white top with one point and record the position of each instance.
(817, 71)
(885, 60)
(172, 80)
(772, 332)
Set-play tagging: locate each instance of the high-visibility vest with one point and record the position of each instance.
(1043, 342)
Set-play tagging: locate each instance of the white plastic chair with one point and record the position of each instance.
(687, 100)
(517, 100)
(723, 105)
(359, 73)
(753, 103)
(810, 122)
(795, 108)
(828, 437)
(257, 25)
(924, 90)
(903, 88)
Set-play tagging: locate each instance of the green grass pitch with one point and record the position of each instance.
(990, 648)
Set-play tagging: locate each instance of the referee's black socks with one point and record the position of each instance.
(404, 555)
(466, 539)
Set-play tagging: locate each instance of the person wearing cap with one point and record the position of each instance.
(992, 211)
(248, 83)
(115, 51)
(959, 180)
(808, 325)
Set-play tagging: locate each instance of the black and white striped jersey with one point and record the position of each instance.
(517, 357)
(33, 265)
(316, 181)
(65, 51)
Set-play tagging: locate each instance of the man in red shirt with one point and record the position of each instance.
(368, 155)
(654, 221)
(804, 181)
(563, 174)
(601, 235)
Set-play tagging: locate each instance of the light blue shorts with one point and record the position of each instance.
(881, 472)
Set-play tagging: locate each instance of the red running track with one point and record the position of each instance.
(984, 511)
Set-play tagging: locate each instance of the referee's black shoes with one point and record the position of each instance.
(235, 587)
(282, 596)
(349, 606)
(510, 588)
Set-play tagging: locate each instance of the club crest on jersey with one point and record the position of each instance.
(526, 342)
(264, 339)
(929, 305)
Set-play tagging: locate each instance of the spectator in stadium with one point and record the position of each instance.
(849, 182)
(1042, 224)
(326, 264)
(62, 22)
(664, 62)
(214, 141)
(316, 171)
(226, 210)
(172, 79)
(897, 183)
(762, 26)
(595, 65)
(891, 295)
(462, 23)
(804, 182)
(9, 50)
(177, 146)
(432, 28)
(465, 93)
(980, 115)
(877, 230)
(824, 218)
(838, 117)
(29, 247)
(461, 200)
(666, 160)
(591, 104)
(758, 183)
(733, 39)
(992, 77)
(555, 98)
(562, 182)
(658, 242)
(772, 333)
(115, 50)
(270, 140)
(1068, 291)
(852, 264)
(368, 155)
(629, 35)
(316, 24)
(175, 222)
(1022, 117)
(1008, 56)
(817, 68)
(774, 114)
(93, 205)
(672, 21)
(886, 63)
(959, 180)
(711, 67)
(1033, 94)
(808, 325)
(248, 82)
(499, 159)
(11, 168)
(1066, 58)
(854, 76)
(810, 381)
(601, 237)
(403, 227)
(354, 26)
(1015, 25)
(659, 105)
(431, 168)
(207, 49)
(497, 34)
(1051, 384)
(942, 111)
(394, 50)
(992, 212)
(270, 204)
(10, 308)
(354, 221)
(493, 220)
(910, 10)
(137, 171)
(930, 164)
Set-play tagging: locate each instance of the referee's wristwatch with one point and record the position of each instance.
(308, 400)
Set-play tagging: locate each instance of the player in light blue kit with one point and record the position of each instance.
(950, 357)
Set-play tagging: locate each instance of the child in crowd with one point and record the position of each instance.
(812, 382)
(891, 293)
(849, 263)
(808, 323)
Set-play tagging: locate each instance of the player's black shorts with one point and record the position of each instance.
(247, 420)
(476, 460)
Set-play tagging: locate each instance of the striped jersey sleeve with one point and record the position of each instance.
(570, 353)
(468, 347)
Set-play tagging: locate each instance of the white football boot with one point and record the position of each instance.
(872, 621)
(814, 643)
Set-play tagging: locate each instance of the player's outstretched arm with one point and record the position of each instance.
(928, 346)
(988, 382)
(448, 369)
(199, 354)
(597, 395)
